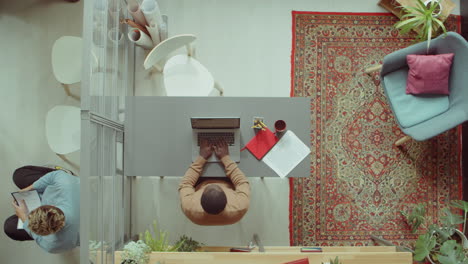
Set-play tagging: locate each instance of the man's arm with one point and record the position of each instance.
(187, 185)
(29, 188)
(241, 184)
(46, 180)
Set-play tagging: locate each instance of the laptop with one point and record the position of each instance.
(214, 128)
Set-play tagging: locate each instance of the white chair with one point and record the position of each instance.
(183, 75)
(63, 131)
(67, 56)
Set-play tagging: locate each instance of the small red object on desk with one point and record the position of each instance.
(240, 250)
(263, 141)
(299, 261)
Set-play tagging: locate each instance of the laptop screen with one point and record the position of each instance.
(215, 122)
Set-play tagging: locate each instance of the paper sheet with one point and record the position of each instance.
(286, 154)
(31, 199)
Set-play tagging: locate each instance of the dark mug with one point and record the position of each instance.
(280, 127)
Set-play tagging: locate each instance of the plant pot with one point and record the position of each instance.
(464, 242)
(438, 10)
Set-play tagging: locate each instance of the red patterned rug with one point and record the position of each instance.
(359, 180)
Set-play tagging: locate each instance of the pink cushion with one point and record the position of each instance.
(429, 74)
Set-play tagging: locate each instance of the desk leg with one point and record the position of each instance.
(218, 87)
(155, 69)
(69, 93)
(75, 166)
(402, 140)
(373, 69)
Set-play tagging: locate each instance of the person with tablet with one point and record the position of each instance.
(55, 224)
(214, 201)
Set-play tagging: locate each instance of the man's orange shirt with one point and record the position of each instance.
(237, 194)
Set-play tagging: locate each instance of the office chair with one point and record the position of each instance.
(67, 53)
(183, 75)
(63, 131)
(423, 117)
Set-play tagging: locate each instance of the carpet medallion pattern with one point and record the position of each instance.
(359, 180)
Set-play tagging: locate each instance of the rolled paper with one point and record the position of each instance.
(135, 25)
(140, 38)
(100, 5)
(163, 31)
(154, 33)
(115, 36)
(150, 9)
(114, 8)
(134, 9)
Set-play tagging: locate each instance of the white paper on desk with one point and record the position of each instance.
(32, 200)
(286, 154)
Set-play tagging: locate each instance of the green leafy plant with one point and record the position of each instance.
(333, 261)
(157, 240)
(463, 206)
(416, 218)
(442, 243)
(422, 18)
(187, 244)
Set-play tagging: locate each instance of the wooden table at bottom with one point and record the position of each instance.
(278, 255)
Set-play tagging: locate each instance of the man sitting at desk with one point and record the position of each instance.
(216, 201)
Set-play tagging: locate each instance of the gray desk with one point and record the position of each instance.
(158, 135)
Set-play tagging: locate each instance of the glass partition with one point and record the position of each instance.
(106, 81)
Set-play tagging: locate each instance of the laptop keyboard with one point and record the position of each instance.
(213, 137)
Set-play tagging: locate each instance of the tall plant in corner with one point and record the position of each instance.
(442, 243)
(424, 19)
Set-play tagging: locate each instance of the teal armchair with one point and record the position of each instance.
(423, 117)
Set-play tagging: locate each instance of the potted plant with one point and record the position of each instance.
(442, 243)
(333, 261)
(135, 253)
(424, 18)
(157, 240)
(187, 244)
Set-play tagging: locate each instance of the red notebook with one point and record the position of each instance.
(263, 141)
(299, 261)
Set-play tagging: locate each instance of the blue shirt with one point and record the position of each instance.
(61, 190)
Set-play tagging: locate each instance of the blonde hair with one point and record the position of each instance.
(46, 220)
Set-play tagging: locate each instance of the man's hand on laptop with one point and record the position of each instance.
(221, 149)
(206, 149)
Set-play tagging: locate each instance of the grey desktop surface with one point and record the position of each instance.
(158, 134)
